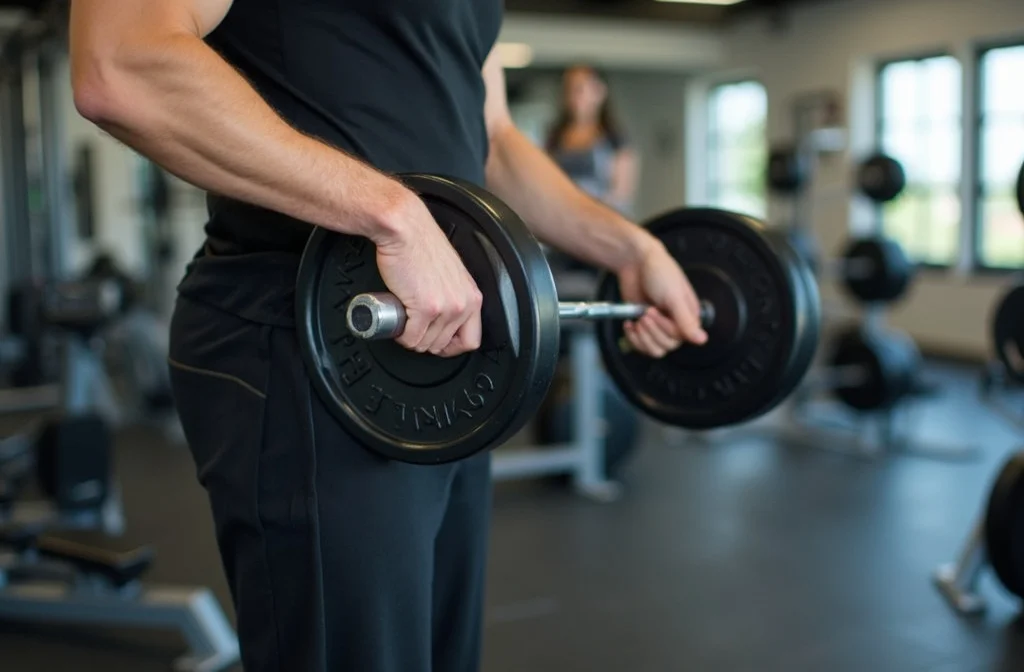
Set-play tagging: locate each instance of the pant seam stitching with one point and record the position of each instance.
(216, 374)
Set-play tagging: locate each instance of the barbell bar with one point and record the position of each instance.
(381, 315)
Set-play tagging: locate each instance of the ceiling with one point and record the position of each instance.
(646, 9)
(13, 12)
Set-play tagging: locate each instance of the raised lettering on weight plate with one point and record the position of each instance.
(377, 396)
(383, 404)
(717, 242)
(453, 411)
(422, 417)
(474, 399)
(345, 339)
(354, 368)
(744, 257)
(765, 305)
(483, 383)
(493, 353)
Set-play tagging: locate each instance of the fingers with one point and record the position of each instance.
(641, 340)
(447, 327)
(686, 317)
(414, 332)
(466, 339)
(468, 334)
(661, 330)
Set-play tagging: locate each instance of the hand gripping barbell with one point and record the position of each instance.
(761, 313)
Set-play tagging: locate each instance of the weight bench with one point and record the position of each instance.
(46, 580)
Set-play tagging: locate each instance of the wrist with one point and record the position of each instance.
(388, 210)
(639, 245)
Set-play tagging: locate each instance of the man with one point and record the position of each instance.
(294, 114)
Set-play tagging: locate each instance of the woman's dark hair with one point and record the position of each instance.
(606, 120)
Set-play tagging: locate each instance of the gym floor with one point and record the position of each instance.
(741, 555)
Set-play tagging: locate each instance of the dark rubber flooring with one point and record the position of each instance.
(744, 554)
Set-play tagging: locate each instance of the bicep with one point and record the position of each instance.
(98, 25)
(496, 113)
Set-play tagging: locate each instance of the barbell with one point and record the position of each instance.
(378, 315)
(760, 307)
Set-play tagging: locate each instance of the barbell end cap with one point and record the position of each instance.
(375, 316)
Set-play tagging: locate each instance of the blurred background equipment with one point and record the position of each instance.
(890, 156)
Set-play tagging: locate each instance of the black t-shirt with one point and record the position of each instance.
(395, 82)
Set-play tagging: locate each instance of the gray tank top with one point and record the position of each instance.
(590, 168)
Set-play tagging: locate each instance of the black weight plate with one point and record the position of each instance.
(787, 170)
(892, 270)
(890, 361)
(1004, 525)
(753, 343)
(881, 178)
(416, 407)
(1008, 332)
(1020, 189)
(808, 312)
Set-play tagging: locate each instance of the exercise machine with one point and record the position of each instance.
(50, 580)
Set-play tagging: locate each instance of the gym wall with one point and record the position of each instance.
(837, 45)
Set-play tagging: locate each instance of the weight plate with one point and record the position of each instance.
(787, 170)
(889, 361)
(417, 407)
(808, 313)
(806, 247)
(1004, 525)
(759, 336)
(1008, 332)
(881, 178)
(876, 269)
(1020, 189)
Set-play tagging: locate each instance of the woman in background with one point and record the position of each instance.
(588, 143)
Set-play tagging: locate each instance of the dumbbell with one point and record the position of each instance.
(874, 269)
(761, 311)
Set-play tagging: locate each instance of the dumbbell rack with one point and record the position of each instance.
(871, 434)
(583, 459)
(807, 421)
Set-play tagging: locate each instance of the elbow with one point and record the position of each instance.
(101, 89)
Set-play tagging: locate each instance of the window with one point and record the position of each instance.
(737, 148)
(919, 117)
(1000, 234)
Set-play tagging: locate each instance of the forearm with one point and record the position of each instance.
(557, 211)
(176, 101)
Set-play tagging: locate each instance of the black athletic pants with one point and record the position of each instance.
(337, 559)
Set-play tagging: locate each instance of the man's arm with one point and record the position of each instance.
(562, 215)
(142, 72)
(557, 211)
